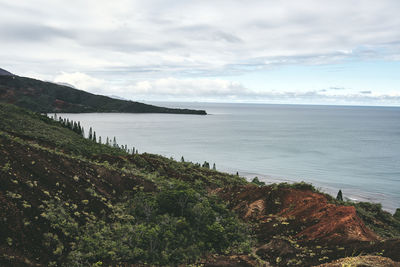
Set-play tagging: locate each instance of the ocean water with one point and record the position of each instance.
(355, 149)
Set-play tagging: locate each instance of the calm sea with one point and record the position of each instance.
(356, 149)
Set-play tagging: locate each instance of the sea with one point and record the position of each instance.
(352, 148)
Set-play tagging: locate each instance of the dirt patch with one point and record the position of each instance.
(303, 227)
(363, 261)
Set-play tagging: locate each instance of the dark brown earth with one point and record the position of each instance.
(37, 174)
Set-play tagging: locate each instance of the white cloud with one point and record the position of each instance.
(82, 81)
(219, 90)
(189, 88)
(175, 48)
(209, 36)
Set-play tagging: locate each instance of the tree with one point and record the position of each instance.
(339, 196)
(115, 142)
(214, 167)
(396, 215)
(90, 133)
(107, 141)
(99, 139)
(79, 128)
(94, 136)
(75, 127)
(206, 165)
(257, 181)
(182, 159)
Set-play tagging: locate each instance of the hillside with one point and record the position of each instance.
(69, 201)
(46, 97)
(5, 73)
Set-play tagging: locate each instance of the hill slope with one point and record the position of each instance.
(68, 201)
(5, 73)
(46, 97)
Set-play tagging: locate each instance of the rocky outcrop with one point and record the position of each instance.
(308, 214)
(297, 225)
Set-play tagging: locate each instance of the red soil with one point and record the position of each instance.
(308, 214)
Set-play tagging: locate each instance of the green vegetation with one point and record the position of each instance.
(46, 97)
(373, 216)
(339, 196)
(46, 131)
(71, 201)
(257, 181)
(396, 215)
(89, 203)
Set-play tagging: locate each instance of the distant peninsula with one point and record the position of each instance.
(47, 97)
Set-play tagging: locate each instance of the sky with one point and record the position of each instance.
(342, 52)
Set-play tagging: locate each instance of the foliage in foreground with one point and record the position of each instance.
(67, 199)
(178, 224)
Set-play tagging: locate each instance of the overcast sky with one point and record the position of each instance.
(304, 51)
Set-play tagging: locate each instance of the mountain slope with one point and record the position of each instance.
(5, 73)
(46, 97)
(69, 201)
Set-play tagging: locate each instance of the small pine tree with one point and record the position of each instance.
(214, 167)
(182, 159)
(99, 139)
(107, 141)
(339, 196)
(257, 181)
(396, 215)
(206, 165)
(115, 142)
(237, 173)
(133, 150)
(94, 136)
(90, 133)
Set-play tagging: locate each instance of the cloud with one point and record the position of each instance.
(189, 88)
(153, 46)
(220, 90)
(82, 81)
(208, 38)
(32, 33)
(336, 88)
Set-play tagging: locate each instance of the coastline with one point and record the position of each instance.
(350, 194)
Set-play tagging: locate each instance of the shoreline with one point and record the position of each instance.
(350, 194)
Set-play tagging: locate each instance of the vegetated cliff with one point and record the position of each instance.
(47, 97)
(68, 201)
